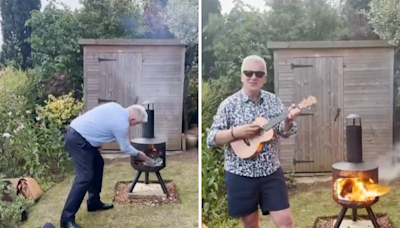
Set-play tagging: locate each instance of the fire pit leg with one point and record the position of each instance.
(135, 180)
(354, 214)
(340, 217)
(372, 216)
(164, 188)
(146, 177)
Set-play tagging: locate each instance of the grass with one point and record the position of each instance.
(181, 169)
(310, 201)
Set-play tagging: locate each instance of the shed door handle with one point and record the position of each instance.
(105, 101)
(337, 114)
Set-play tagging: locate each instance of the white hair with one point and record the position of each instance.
(138, 112)
(254, 58)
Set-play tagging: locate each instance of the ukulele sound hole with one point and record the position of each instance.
(246, 141)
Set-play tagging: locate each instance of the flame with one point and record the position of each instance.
(153, 152)
(358, 189)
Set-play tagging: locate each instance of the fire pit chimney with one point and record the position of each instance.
(354, 138)
(148, 127)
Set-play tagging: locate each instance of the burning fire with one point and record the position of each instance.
(153, 152)
(357, 189)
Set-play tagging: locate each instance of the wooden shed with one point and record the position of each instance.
(131, 71)
(346, 77)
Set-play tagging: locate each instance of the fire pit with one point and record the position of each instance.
(152, 147)
(355, 182)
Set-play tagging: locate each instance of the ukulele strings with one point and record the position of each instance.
(276, 120)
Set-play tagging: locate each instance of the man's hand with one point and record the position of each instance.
(142, 156)
(293, 113)
(246, 131)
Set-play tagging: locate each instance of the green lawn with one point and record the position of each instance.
(311, 201)
(182, 169)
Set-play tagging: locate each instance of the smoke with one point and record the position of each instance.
(389, 165)
(150, 25)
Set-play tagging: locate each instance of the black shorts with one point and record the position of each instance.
(245, 194)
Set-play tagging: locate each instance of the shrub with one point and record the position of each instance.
(21, 83)
(214, 201)
(193, 96)
(13, 114)
(61, 110)
(57, 84)
(27, 147)
(11, 206)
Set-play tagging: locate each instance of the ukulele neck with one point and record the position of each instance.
(276, 120)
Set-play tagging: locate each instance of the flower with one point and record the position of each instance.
(6, 135)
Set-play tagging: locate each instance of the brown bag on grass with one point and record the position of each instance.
(27, 187)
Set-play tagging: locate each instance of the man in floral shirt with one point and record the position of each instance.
(260, 180)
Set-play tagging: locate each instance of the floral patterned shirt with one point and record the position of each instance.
(237, 110)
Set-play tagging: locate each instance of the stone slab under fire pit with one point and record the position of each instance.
(348, 223)
(121, 195)
(143, 190)
(362, 222)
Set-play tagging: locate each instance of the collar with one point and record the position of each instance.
(244, 98)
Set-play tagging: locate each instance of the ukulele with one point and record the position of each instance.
(248, 147)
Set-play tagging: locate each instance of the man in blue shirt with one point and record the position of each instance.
(105, 123)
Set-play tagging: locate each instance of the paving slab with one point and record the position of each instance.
(150, 190)
(348, 223)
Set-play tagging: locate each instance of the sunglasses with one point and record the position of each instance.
(249, 73)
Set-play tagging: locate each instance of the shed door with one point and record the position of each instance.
(319, 141)
(120, 81)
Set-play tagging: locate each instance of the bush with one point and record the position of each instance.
(193, 96)
(21, 83)
(13, 114)
(214, 201)
(11, 206)
(61, 110)
(27, 147)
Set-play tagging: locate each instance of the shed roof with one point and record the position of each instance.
(130, 42)
(329, 44)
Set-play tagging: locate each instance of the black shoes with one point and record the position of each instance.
(69, 225)
(91, 208)
(100, 207)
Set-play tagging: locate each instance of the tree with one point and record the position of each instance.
(357, 23)
(157, 28)
(384, 16)
(304, 20)
(208, 7)
(54, 40)
(182, 20)
(245, 30)
(110, 19)
(181, 17)
(236, 35)
(14, 14)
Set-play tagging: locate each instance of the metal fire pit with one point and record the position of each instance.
(355, 167)
(152, 147)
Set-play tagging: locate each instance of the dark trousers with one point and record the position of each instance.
(89, 166)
